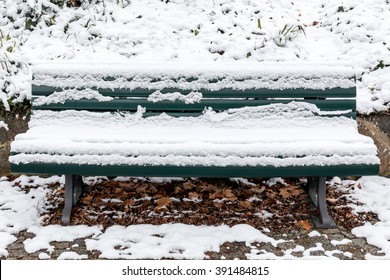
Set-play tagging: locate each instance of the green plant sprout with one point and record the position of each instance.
(288, 33)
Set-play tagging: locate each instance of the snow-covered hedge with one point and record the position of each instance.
(14, 73)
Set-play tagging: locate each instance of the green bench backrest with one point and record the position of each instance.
(335, 101)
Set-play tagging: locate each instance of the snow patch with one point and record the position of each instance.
(70, 94)
(375, 196)
(314, 233)
(71, 256)
(3, 125)
(340, 242)
(177, 241)
(190, 98)
(46, 234)
(43, 256)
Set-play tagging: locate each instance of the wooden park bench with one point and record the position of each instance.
(257, 121)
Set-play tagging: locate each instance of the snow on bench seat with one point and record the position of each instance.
(276, 135)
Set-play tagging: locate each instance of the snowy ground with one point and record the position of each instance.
(24, 200)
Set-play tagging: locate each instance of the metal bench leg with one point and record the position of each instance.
(78, 188)
(316, 187)
(73, 190)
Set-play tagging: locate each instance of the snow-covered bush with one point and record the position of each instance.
(14, 73)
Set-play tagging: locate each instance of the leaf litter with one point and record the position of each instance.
(276, 206)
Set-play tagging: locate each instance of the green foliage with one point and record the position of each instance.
(292, 31)
(288, 33)
(258, 23)
(30, 24)
(340, 9)
(380, 65)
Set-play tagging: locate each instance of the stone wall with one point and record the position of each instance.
(376, 126)
(17, 121)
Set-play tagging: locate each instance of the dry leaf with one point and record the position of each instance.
(290, 191)
(117, 190)
(217, 204)
(257, 190)
(153, 189)
(126, 185)
(142, 187)
(163, 202)
(305, 224)
(193, 195)
(215, 195)
(111, 184)
(98, 203)
(128, 203)
(87, 199)
(271, 193)
(228, 193)
(188, 185)
(332, 201)
(246, 204)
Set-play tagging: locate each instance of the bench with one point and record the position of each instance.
(258, 121)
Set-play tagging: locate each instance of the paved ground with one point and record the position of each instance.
(356, 249)
(214, 202)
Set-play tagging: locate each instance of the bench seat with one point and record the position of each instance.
(293, 136)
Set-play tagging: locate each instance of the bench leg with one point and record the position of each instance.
(316, 187)
(73, 190)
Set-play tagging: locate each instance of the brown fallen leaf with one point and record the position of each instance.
(126, 185)
(218, 204)
(142, 187)
(257, 190)
(228, 193)
(271, 193)
(152, 189)
(193, 195)
(163, 202)
(332, 201)
(188, 185)
(111, 184)
(305, 224)
(290, 191)
(98, 203)
(87, 199)
(246, 204)
(216, 195)
(117, 190)
(128, 203)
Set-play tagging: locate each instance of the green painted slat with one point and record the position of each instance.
(216, 104)
(351, 115)
(229, 93)
(196, 171)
